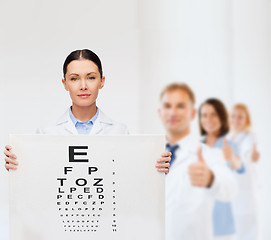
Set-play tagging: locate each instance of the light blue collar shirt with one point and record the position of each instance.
(83, 127)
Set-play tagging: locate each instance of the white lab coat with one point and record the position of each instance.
(245, 206)
(102, 125)
(189, 209)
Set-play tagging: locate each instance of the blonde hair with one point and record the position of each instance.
(178, 86)
(243, 107)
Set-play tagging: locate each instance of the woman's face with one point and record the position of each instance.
(238, 120)
(209, 119)
(83, 81)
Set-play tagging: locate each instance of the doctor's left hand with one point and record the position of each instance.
(162, 163)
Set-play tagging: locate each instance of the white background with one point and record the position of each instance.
(220, 48)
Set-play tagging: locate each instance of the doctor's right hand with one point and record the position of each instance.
(255, 155)
(199, 173)
(10, 158)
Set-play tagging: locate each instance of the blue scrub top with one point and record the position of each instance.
(223, 222)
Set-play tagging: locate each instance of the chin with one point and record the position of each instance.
(174, 128)
(84, 104)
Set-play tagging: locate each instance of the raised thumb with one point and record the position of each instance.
(225, 142)
(199, 153)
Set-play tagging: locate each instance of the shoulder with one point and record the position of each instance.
(250, 136)
(111, 126)
(54, 126)
(213, 156)
(195, 143)
(247, 139)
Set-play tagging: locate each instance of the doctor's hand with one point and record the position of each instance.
(10, 158)
(227, 151)
(199, 173)
(162, 163)
(255, 155)
(234, 160)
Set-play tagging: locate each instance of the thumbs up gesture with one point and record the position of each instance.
(255, 155)
(199, 173)
(227, 151)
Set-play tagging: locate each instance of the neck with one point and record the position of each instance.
(211, 139)
(235, 133)
(174, 137)
(84, 113)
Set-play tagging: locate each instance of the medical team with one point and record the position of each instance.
(211, 183)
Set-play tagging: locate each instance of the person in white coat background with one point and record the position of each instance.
(245, 206)
(198, 174)
(83, 78)
(214, 127)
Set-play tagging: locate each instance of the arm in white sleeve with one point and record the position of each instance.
(224, 186)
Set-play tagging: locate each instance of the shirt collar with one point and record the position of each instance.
(182, 143)
(75, 120)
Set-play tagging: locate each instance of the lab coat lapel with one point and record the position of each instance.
(69, 127)
(67, 124)
(188, 147)
(97, 127)
(100, 124)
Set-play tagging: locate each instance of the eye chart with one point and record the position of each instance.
(87, 187)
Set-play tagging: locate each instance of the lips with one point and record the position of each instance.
(173, 121)
(83, 95)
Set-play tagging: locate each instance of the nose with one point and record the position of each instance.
(173, 111)
(83, 84)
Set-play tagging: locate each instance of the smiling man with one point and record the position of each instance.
(197, 176)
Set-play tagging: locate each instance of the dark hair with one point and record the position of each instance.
(83, 54)
(222, 114)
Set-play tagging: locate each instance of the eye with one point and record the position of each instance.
(91, 78)
(166, 105)
(73, 79)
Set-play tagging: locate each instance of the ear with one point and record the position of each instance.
(194, 113)
(65, 84)
(102, 82)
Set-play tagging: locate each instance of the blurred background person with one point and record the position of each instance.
(245, 206)
(214, 126)
(197, 175)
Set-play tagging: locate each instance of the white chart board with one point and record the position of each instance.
(87, 187)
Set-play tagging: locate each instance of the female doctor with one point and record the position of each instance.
(214, 125)
(83, 78)
(245, 206)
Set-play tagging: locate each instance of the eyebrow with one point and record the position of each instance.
(92, 73)
(78, 74)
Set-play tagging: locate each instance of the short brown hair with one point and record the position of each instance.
(179, 86)
(222, 114)
(245, 109)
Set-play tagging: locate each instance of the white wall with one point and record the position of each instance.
(252, 84)
(220, 48)
(189, 42)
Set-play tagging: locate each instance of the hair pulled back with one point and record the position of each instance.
(82, 54)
